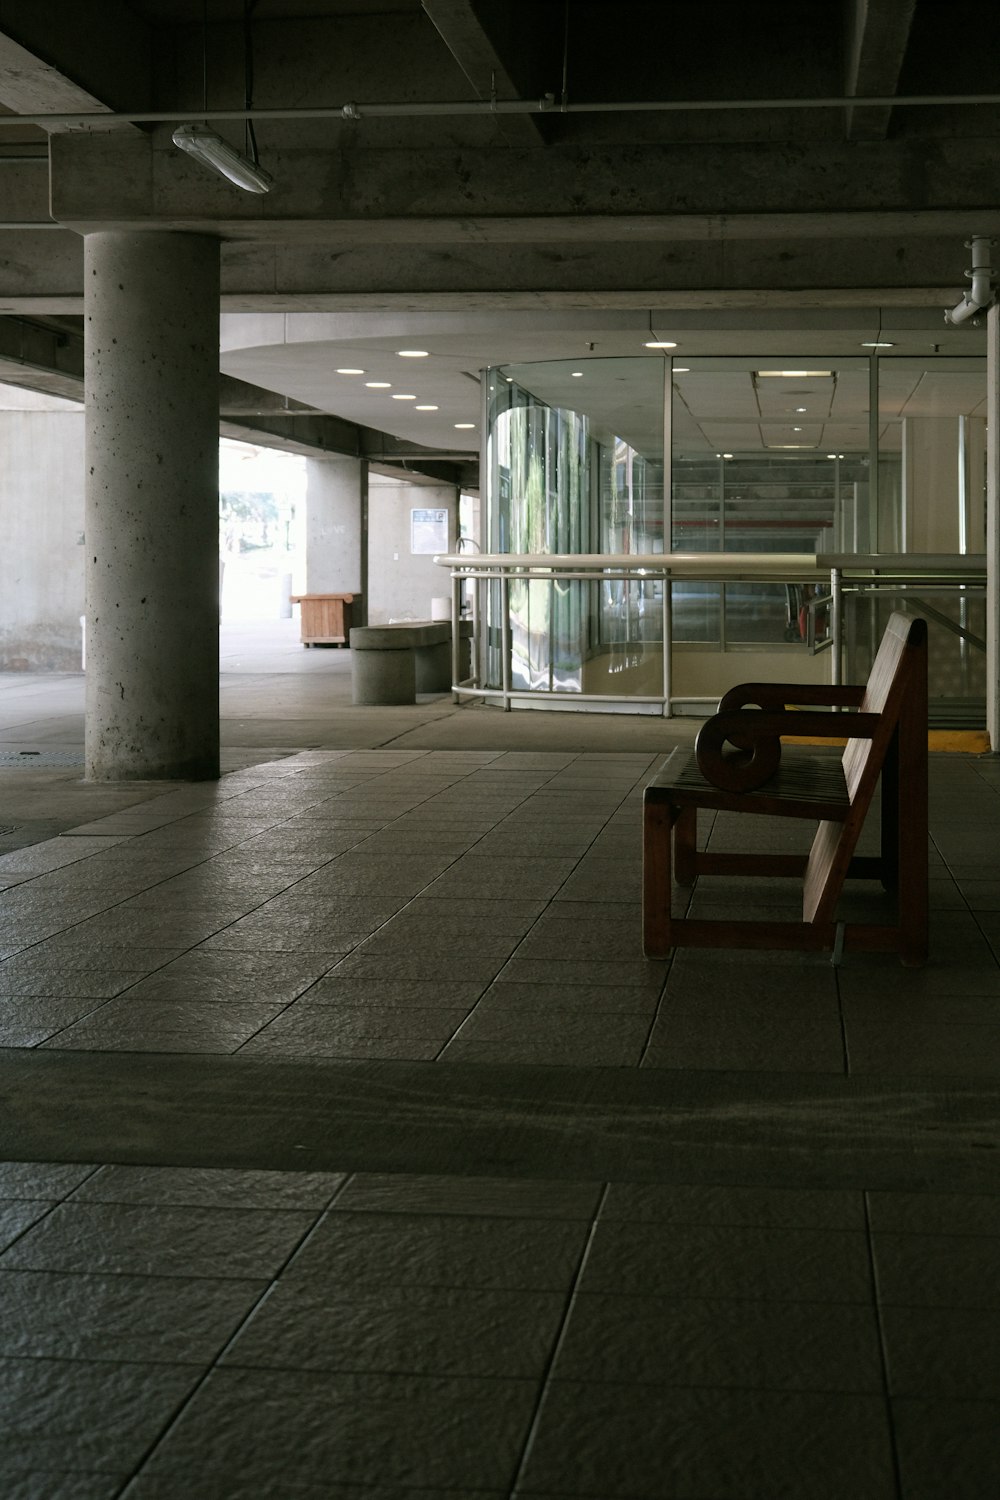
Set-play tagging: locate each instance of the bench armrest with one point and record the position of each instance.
(754, 740)
(777, 695)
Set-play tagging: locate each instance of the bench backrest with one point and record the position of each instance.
(897, 692)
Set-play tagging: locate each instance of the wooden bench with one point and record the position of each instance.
(740, 765)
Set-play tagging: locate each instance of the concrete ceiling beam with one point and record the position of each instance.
(64, 56)
(465, 36)
(238, 398)
(879, 32)
(112, 182)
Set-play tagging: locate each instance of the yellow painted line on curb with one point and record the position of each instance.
(952, 741)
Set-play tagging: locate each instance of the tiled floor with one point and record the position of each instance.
(516, 1213)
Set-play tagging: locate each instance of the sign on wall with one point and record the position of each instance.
(429, 530)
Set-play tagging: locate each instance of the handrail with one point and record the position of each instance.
(840, 572)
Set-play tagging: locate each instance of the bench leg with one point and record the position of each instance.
(685, 846)
(657, 827)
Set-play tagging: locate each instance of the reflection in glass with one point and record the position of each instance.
(565, 480)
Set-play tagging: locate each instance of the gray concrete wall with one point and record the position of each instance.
(333, 525)
(41, 540)
(401, 584)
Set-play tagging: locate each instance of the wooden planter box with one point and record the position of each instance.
(326, 618)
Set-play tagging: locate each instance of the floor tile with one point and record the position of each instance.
(402, 1330)
(699, 1342)
(210, 1187)
(148, 1240)
(670, 1443)
(17, 1217)
(592, 1046)
(760, 1207)
(923, 1047)
(947, 1448)
(46, 1484)
(685, 1260)
(937, 1270)
(510, 997)
(351, 988)
(46, 1180)
(78, 1415)
(178, 1026)
(503, 1197)
(31, 1019)
(935, 1213)
(367, 1250)
(791, 1041)
(255, 1425)
(123, 1319)
(951, 1352)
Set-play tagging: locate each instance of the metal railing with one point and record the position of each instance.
(834, 579)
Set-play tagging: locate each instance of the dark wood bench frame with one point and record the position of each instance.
(739, 766)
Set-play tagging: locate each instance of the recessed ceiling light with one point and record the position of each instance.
(877, 344)
(413, 353)
(426, 408)
(347, 371)
(465, 424)
(831, 455)
(577, 374)
(793, 374)
(801, 408)
(727, 455)
(379, 385)
(659, 344)
(796, 429)
(399, 397)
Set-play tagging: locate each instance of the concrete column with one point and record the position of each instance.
(41, 537)
(403, 583)
(334, 495)
(152, 528)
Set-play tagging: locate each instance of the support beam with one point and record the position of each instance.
(466, 39)
(63, 57)
(880, 30)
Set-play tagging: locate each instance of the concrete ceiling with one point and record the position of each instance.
(551, 234)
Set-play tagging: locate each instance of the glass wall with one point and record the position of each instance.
(772, 457)
(767, 456)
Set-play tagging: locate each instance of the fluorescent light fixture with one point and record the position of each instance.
(794, 374)
(682, 369)
(212, 151)
(426, 408)
(465, 425)
(659, 344)
(413, 353)
(379, 385)
(878, 344)
(577, 374)
(399, 397)
(347, 370)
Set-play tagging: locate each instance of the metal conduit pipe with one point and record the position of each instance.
(545, 105)
(980, 294)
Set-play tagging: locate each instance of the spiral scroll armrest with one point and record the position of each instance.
(775, 696)
(740, 750)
